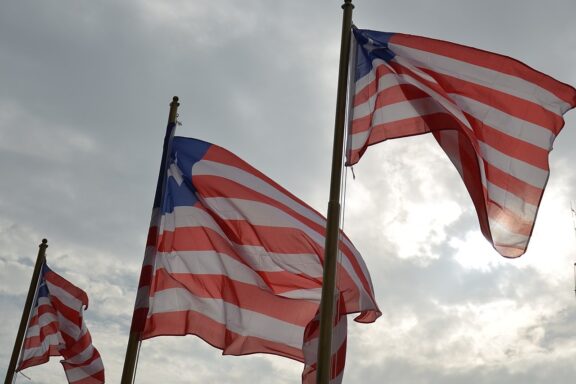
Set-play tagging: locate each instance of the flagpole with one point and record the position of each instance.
(40, 259)
(333, 217)
(134, 339)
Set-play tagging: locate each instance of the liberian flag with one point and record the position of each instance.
(495, 118)
(236, 259)
(56, 328)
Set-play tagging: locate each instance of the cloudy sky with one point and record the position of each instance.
(84, 94)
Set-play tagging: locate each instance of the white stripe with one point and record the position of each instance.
(64, 296)
(85, 371)
(452, 108)
(210, 168)
(483, 76)
(69, 328)
(358, 257)
(504, 236)
(395, 112)
(209, 263)
(366, 300)
(257, 213)
(53, 339)
(82, 356)
(255, 256)
(241, 321)
(526, 172)
(339, 333)
(385, 82)
(510, 125)
(368, 78)
(313, 294)
(408, 79)
(214, 263)
(508, 200)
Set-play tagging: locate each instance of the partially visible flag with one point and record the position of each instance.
(236, 259)
(56, 328)
(495, 118)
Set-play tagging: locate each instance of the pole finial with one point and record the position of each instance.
(173, 110)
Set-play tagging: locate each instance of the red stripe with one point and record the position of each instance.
(215, 334)
(403, 128)
(204, 239)
(152, 236)
(93, 378)
(145, 276)
(510, 145)
(393, 95)
(508, 251)
(40, 359)
(282, 282)
(220, 155)
(139, 319)
(337, 359)
(242, 295)
(362, 95)
(217, 186)
(54, 278)
(509, 219)
(507, 144)
(272, 239)
(490, 60)
(45, 331)
(71, 314)
(512, 105)
(77, 346)
(441, 121)
(526, 192)
(41, 310)
(412, 126)
(96, 378)
(463, 155)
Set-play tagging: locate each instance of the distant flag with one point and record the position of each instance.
(236, 259)
(495, 118)
(56, 328)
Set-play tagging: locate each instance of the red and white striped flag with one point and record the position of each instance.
(236, 259)
(56, 328)
(495, 118)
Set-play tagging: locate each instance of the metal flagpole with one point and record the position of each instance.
(333, 217)
(133, 347)
(40, 259)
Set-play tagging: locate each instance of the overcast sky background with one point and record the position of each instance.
(84, 94)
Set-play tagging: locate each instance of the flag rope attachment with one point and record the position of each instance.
(40, 259)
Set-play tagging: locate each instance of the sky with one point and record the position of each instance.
(84, 94)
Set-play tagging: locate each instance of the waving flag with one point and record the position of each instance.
(56, 328)
(495, 118)
(236, 259)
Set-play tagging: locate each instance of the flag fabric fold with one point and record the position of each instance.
(494, 117)
(56, 328)
(236, 259)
